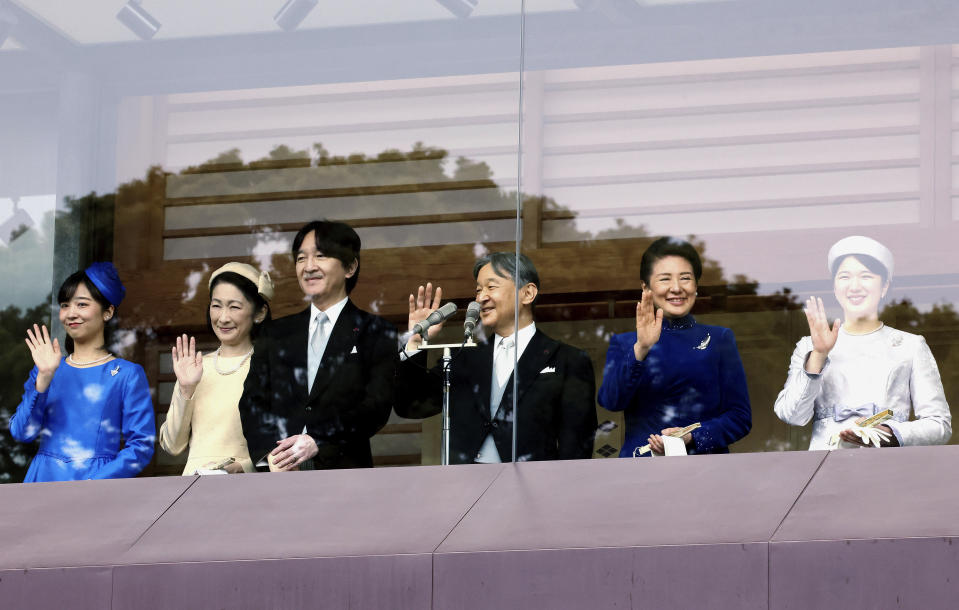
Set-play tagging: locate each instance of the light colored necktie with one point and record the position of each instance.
(502, 369)
(317, 346)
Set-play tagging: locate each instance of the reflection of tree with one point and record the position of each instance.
(939, 326)
(441, 184)
(84, 223)
(15, 365)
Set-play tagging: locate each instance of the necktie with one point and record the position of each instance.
(318, 341)
(502, 369)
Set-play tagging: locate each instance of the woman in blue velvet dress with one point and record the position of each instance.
(674, 371)
(91, 410)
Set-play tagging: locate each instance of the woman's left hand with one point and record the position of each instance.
(852, 438)
(234, 468)
(687, 438)
(656, 440)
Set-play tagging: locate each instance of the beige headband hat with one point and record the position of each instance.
(260, 279)
(858, 244)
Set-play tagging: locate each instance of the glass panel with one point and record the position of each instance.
(170, 141)
(760, 144)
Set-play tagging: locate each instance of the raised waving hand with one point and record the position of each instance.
(649, 325)
(420, 308)
(187, 365)
(46, 355)
(823, 336)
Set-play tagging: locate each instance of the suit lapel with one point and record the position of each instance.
(338, 348)
(292, 347)
(535, 357)
(538, 352)
(483, 374)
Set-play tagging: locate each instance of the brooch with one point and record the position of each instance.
(114, 372)
(896, 340)
(704, 344)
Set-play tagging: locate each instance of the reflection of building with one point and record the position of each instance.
(14, 225)
(764, 140)
(768, 160)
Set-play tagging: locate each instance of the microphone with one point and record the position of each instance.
(437, 316)
(472, 316)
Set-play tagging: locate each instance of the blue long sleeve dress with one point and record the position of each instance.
(692, 374)
(83, 419)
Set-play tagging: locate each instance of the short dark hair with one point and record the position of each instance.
(69, 288)
(669, 246)
(869, 262)
(334, 239)
(249, 291)
(504, 264)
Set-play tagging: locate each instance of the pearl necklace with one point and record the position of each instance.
(98, 360)
(216, 362)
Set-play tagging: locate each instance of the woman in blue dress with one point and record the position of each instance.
(673, 371)
(91, 410)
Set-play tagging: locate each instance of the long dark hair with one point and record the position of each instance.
(250, 293)
(69, 288)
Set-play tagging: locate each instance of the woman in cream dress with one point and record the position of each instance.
(840, 374)
(203, 411)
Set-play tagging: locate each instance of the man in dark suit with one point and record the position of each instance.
(555, 390)
(321, 381)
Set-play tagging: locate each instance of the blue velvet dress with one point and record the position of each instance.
(692, 374)
(83, 419)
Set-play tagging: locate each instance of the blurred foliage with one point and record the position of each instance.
(15, 365)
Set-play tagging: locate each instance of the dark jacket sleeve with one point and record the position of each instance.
(255, 405)
(735, 418)
(418, 389)
(623, 375)
(577, 417)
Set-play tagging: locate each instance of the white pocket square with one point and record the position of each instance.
(549, 369)
(354, 350)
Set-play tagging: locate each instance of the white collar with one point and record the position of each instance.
(524, 336)
(332, 312)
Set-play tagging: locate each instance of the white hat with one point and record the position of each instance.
(858, 244)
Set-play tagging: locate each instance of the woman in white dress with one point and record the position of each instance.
(203, 412)
(843, 373)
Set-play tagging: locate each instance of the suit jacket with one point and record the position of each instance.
(352, 393)
(557, 409)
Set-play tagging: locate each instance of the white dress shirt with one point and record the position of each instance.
(503, 361)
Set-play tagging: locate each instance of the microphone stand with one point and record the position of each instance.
(447, 361)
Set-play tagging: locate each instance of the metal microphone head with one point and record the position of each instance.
(435, 317)
(447, 310)
(472, 316)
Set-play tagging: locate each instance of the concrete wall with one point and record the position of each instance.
(852, 529)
